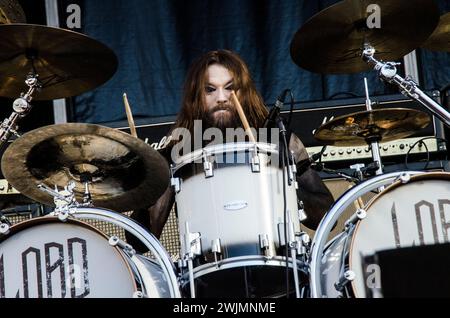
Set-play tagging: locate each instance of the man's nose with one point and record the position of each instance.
(222, 96)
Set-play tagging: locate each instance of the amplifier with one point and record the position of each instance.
(307, 117)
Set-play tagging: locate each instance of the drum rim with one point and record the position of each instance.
(51, 219)
(337, 209)
(128, 224)
(240, 261)
(435, 175)
(222, 148)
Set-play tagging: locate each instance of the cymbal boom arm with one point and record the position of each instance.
(21, 107)
(387, 71)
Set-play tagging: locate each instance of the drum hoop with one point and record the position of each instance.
(135, 229)
(220, 149)
(321, 236)
(390, 188)
(240, 261)
(50, 219)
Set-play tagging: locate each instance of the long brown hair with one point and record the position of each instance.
(193, 105)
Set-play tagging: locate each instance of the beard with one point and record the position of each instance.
(222, 117)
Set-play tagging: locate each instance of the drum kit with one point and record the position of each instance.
(240, 239)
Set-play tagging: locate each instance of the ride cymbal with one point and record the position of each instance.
(68, 63)
(381, 125)
(332, 41)
(124, 172)
(439, 40)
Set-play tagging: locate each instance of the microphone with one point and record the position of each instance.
(275, 111)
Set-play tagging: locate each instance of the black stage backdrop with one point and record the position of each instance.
(156, 40)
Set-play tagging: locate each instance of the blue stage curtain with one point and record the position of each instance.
(156, 40)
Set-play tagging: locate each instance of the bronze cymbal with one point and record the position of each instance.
(332, 41)
(439, 40)
(68, 63)
(382, 125)
(11, 12)
(125, 172)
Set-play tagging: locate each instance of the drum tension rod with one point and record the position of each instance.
(348, 277)
(357, 216)
(207, 166)
(255, 161)
(127, 248)
(216, 249)
(4, 228)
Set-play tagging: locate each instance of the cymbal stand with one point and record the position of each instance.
(65, 201)
(86, 179)
(21, 107)
(373, 141)
(387, 71)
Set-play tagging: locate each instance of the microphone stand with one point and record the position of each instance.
(290, 242)
(387, 71)
(21, 107)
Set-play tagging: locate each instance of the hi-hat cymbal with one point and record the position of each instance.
(68, 63)
(126, 173)
(382, 125)
(439, 40)
(332, 41)
(11, 12)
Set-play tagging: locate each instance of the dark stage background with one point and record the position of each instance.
(156, 40)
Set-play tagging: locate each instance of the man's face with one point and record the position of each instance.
(220, 111)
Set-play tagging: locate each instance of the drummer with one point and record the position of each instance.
(207, 97)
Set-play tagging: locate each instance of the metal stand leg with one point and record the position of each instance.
(191, 276)
(193, 247)
(295, 269)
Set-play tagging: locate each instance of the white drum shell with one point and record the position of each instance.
(236, 205)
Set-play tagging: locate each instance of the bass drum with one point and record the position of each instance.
(410, 212)
(47, 258)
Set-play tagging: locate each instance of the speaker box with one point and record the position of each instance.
(418, 271)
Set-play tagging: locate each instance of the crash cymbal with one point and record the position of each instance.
(440, 38)
(381, 125)
(126, 173)
(11, 12)
(68, 63)
(332, 41)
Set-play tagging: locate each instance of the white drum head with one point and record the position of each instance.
(46, 258)
(404, 215)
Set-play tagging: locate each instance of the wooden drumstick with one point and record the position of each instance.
(242, 116)
(129, 116)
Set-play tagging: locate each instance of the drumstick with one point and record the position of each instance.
(242, 116)
(129, 116)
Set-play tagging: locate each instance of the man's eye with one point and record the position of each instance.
(209, 89)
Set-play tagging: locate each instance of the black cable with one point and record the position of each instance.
(283, 165)
(421, 141)
(291, 112)
(285, 161)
